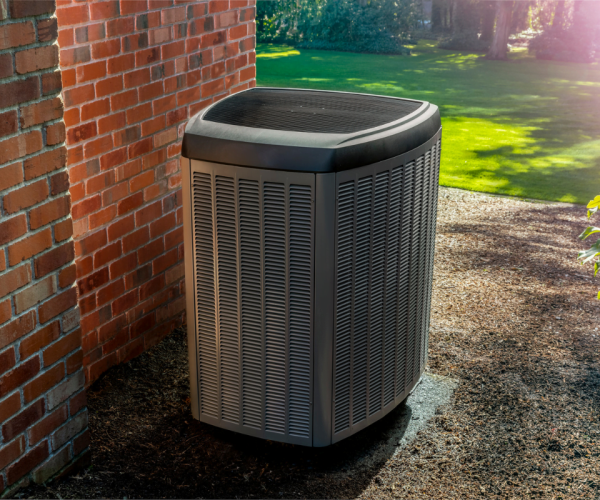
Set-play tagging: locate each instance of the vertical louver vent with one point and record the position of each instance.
(255, 320)
(384, 257)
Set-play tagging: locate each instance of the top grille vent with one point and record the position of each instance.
(309, 111)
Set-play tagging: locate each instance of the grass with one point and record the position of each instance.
(525, 128)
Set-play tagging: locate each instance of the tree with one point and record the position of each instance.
(499, 47)
(558, 23)
(488, 19)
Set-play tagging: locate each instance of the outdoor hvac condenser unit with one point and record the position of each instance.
(309, 226)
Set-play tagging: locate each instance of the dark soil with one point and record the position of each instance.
(514, 318)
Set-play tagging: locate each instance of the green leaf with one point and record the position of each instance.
(599, 295)
(591, 212)
(589, 231)
(596, 267)
(595, 203)
(587, 255)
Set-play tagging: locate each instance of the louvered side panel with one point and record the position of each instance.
(405, 245)
(275, 290)
(228, 297)
(378, 265)
(251, 303)
(343, 310)
(424, 261)
(364, 199)
(391, 286)
(300, 309)
(205, 293)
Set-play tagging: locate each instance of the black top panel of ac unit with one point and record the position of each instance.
(308, 130)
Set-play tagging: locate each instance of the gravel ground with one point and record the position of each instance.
(514, 319)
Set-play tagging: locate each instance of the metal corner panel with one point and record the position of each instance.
(189, 286)
(324, 307)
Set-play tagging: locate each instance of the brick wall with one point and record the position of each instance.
(43, 418)
(133, 72)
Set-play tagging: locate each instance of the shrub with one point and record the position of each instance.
(562, 46)
(378, 26)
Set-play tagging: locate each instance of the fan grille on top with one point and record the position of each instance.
(309, 111)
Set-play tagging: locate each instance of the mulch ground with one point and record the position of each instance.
(514, 318)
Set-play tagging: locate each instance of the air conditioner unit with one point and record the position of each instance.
(309, 226)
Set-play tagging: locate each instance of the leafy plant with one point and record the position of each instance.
(591, 254)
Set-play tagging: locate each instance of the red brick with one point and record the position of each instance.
(19, 91)
(147, 56)
(68, 16)
(110, 292)
(123, 100)
(26, 248)
(71, 117)
(55, 258)
(211, 88)
(154, 158)
(134, 42)
(124, 302)
(106, 254)
(131, 350)
(9, 407)
(51, 83)
(36, 59)
(174, 274)
(81, 132)
(104, 10)
(38, 340)
(49, 423)
(114, 194)
(137, 78)
(26, 196)
(159, 36)
(110, 329)
(13, 280)
(14, 35)
(238, 32)
(7, 360)
(113, 158)
(89, 33)
(63, 230)
(55, 134)
(176, 116)
(8, 125)
(21, 467)
(112, 122)
(21, 145)
(98, 146)
(109, 86)
(123, 265)
(11, 452)
(141, 181)
(117, 341)
(174, 49)
(218, 6)
(126, 136)
(78, 95)
(93, 281)
(66, 277)
(151, 250)
(121, 26)
(74, 361)
(72, 57)
(121, 63)
(48, 212)
(86, 207)
(120, 228)
(139, 113)
(102, 217)
(107, 49)
(92, 71)
(61, 348)
(17, 377)
(140, 147)
(58, 304)
(16, 329)
(99, 182)
(151, 91)
(154, 125)
(5, 309)
(100, 366)
(155, 190)
(95, 109)
(45, 163)
(130, 203)
(164, 137)
(44, 382)
(41, 112)
(164, 261)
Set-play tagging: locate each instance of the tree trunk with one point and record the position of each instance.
(499, 47)
(437, 7)
(558, 23)
(487, 21)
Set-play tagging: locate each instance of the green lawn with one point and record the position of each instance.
(526, 128)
